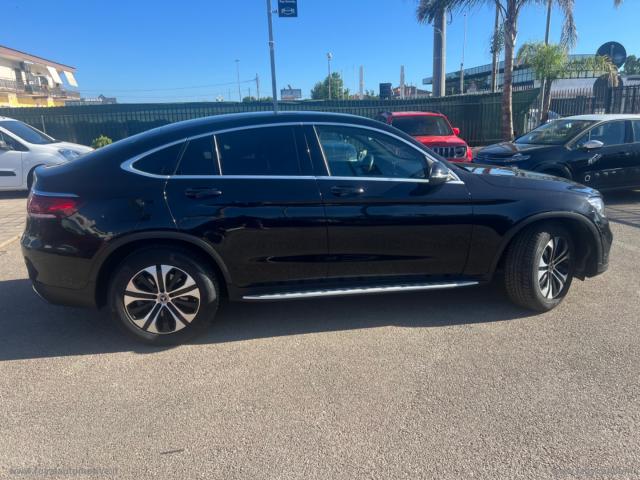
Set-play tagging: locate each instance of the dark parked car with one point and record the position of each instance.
(602, 151)
(163, 225)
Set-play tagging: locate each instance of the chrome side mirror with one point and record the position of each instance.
(438, 174)
(593, 145)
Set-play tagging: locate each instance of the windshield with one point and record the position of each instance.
(557, 132)
(26, 132)
(422, 126)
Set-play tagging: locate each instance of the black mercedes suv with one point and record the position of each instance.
(161, 226)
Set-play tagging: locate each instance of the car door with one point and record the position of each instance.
(250, 193)
(607, 166)
(10, 162)
(635, 150)
(384, 218)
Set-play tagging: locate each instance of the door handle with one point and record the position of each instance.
(202, 192)
(346, 191)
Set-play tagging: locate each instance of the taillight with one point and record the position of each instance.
(51, 206)
(469, 154)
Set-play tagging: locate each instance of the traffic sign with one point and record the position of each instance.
(287, 8)
(615, 51)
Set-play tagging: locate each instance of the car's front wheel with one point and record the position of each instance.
(539, 267)
(163, 296)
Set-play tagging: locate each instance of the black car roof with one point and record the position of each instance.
(233, 120)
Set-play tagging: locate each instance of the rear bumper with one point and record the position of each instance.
(65, 296)
(57, 278)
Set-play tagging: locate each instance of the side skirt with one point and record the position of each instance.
(360, 290)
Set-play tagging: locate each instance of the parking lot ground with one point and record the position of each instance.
(452, 384)
(12, 215)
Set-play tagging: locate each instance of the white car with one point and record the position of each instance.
(23, 148)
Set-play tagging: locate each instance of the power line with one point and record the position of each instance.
(96, 89)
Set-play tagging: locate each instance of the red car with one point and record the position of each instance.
(433, 130)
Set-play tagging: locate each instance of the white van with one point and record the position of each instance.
(23, 148)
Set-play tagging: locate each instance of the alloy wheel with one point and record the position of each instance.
(161, 299)
(553, 267)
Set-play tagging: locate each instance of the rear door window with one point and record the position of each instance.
(199, 158)
(160, 162)
(259, 151)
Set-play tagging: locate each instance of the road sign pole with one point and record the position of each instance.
(273, 58)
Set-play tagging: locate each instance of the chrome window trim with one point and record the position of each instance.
(127, 165)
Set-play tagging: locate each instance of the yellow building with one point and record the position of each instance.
(30, 81)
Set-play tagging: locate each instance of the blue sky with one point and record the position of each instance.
(147, 51)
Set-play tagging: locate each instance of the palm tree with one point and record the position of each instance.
(548, 62)
(551, 61)
(510, 9)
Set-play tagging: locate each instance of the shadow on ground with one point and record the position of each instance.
(624, 207)
(10, 195)
(34, 329)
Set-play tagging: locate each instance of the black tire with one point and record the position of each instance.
(171, 319)
(524, 273)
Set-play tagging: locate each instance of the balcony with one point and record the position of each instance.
(36, 90)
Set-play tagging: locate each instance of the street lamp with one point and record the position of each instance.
(238, 77)
(329, 57)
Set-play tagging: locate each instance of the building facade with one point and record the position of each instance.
(478, 79)
(30, 81)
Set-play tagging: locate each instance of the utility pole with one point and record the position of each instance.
(464, 43)
(546, 33)
(361, 82)
(273, 58)
(329, 57)
(258, 86)
(494, 53)
(439, 53)
(402, 82)
(238, 78)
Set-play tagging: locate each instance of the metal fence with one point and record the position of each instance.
(477, 116)
(597, 100)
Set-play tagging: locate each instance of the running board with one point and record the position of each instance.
(409, 287)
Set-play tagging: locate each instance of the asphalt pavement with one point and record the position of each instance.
(445, 385)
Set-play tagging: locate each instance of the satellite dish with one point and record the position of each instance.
(615, 51)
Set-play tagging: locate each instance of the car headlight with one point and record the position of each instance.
(598, 205)
(68, 153)
(460, 152)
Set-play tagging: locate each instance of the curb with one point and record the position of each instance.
(11, 240)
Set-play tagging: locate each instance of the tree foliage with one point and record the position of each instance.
(101, 141)
(320, 90)
(632, 65)
(548, 62)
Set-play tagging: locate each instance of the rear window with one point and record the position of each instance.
(422, 126)
(160, 162)
(259, 151)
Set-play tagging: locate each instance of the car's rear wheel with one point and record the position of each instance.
(163, 296)
(539, 267)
